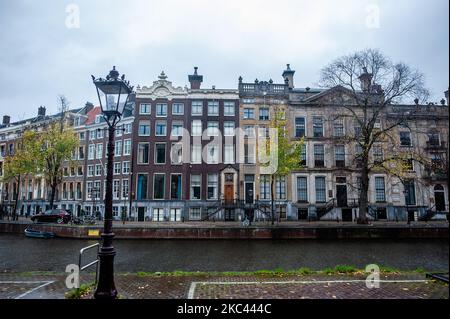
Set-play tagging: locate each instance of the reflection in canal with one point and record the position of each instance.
(18, 253)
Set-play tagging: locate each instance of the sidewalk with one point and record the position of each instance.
(317, 286)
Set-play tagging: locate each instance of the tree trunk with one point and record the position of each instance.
(363, 197)
(272, 197)
(16, 203)
(52, 194)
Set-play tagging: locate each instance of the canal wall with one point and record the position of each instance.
(436, 231)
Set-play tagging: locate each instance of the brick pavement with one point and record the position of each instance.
(407, 286)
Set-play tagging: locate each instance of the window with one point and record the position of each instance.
(97, 189)
(338, 127)
(263, 114)
(98, 170)
(249, 131)
(229, 108)
(118, 148)
(228, 128)
(99, 151)
(195, 186)
(213, 108)
(117, 168)
(378, 154)
(79, 173)
(175, 214)
(127, 147)
(249, 113)
(119, 132)
(116, 189)
(158, 214)
(195, 213)
(158, 186)
(89, 187)
(410, 193)
(213, 128)
(249, 154)
(142, 187)
(126, 168)
(405, 138)
(177, 129)
(161, 128)
(175, 186)
(177, 109)
(128, 128)
(229, 154)
(160, 153)
(433, 139)
(196, 128)
(143, 153)
(303, 158)
(380, 195)
(161, 110)
(213, 154)
(317, 126)
(82, 136)
(145, 108)
(196, 154)
(197, 108)
(92, 135)
(319, 155)
(300, 127)
(320, 190)
(125, 188)
(90, 170)
(339, 155)
(91, 152)
(213, 186)
(144, 128)
(176, 154)
(302, 189)
(248, 101)
(263, 132)
(81, 152)
(264, 187)
(280, 186)
(100, 133)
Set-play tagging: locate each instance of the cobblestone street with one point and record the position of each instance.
(317, 286)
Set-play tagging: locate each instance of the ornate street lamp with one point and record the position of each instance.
(113, 93)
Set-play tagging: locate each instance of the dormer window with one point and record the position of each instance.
(98, 119)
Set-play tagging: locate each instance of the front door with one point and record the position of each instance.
(229, 215)
(249, 194)
(341, 194)
(439, 198)
(141, 214)
(229, 193)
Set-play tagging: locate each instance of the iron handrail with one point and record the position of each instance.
(95, 262)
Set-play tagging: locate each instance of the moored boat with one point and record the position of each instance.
(32, 233)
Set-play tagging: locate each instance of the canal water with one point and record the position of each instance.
(18, 253)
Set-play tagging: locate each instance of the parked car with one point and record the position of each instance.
(59, 216)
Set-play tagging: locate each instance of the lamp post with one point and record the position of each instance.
(113, 93)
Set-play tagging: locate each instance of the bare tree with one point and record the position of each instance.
(368, 85)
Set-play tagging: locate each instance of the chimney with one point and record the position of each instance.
(195, 80)
(366, 80)
(88, 107)
(288, 76)
(41, 111)
(6, 120)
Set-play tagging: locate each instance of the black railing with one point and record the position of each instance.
(433, 211)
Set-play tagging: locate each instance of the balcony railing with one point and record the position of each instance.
(435, 145)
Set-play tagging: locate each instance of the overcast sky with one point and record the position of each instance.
(45, 52)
